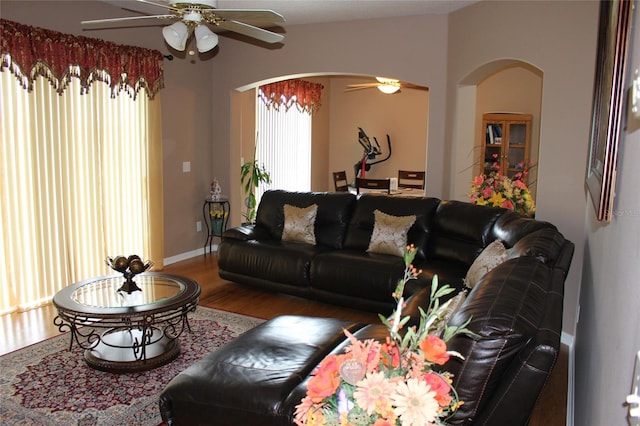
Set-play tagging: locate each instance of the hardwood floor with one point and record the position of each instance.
(23, 329)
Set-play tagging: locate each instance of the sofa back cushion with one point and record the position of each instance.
(511, 227)
(334, 211)
(461, 231)
(363, 219)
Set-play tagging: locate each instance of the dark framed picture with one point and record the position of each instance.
(608, 103)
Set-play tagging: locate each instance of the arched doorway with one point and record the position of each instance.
(499, 86)
(404, 116)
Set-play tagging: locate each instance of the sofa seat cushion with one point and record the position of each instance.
(359, 274)
(246, 381)
(507, 308)
(270, 260)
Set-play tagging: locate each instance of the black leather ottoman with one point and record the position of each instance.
(252, 380)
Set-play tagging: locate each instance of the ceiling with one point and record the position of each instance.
(318, 11)
(315, 11)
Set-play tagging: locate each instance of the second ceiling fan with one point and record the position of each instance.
(195, 16)
(385, 85)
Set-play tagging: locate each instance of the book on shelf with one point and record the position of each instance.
(494, 134)
(489, 139)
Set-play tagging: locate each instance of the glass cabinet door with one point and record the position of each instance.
(517, 156)
(493, 153)
(505, 143)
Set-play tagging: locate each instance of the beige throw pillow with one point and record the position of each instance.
(492, 255)
(299, 224)
(389, 234)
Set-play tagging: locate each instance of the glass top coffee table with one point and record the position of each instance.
(126, 332)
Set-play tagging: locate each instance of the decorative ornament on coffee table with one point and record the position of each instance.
(129, 267)
(390, 383)
(501, 191)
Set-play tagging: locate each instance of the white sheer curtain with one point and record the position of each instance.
(80, 179)
(284, 147)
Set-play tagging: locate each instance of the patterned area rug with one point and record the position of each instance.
(46, 384)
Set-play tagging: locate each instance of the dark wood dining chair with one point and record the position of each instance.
(411, 179)
(340, 181)
(373, 185)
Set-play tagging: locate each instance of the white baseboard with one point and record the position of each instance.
(568, 340)
(189, 255)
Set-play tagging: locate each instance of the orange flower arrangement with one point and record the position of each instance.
(391, 382)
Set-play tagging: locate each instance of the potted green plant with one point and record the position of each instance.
(252, 174)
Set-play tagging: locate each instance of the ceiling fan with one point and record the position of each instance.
(195, 16)
(385, 85)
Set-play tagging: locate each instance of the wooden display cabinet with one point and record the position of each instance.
(506, 143)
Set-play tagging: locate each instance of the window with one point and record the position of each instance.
(284, 147)
(80, 160)
(74, 186)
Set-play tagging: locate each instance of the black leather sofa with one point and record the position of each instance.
(516, 308)
(448, 236)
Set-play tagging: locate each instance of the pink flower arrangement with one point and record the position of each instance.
(500, 191)
(392, 382)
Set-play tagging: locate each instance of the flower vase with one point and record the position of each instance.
(216, 226)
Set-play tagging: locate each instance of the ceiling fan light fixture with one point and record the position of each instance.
(384, 80)
(176, 35)
(192, 16)
(388, 89)
(205, 38)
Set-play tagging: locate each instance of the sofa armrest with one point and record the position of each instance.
(516, 313)
(246, 233)
(514, 400)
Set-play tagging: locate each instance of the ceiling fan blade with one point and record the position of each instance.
(153, 3)
(353, 88)
(362, 85)
(101, 23)
(251, 31)
(413, 86)
(141, 6)
(254, 15)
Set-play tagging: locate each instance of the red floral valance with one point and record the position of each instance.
(305, 95)
(29, 52)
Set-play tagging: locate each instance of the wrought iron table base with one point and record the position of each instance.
(127, 344)
(116, 352)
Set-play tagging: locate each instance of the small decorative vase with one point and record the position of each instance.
(216, 226)
(215, 190)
